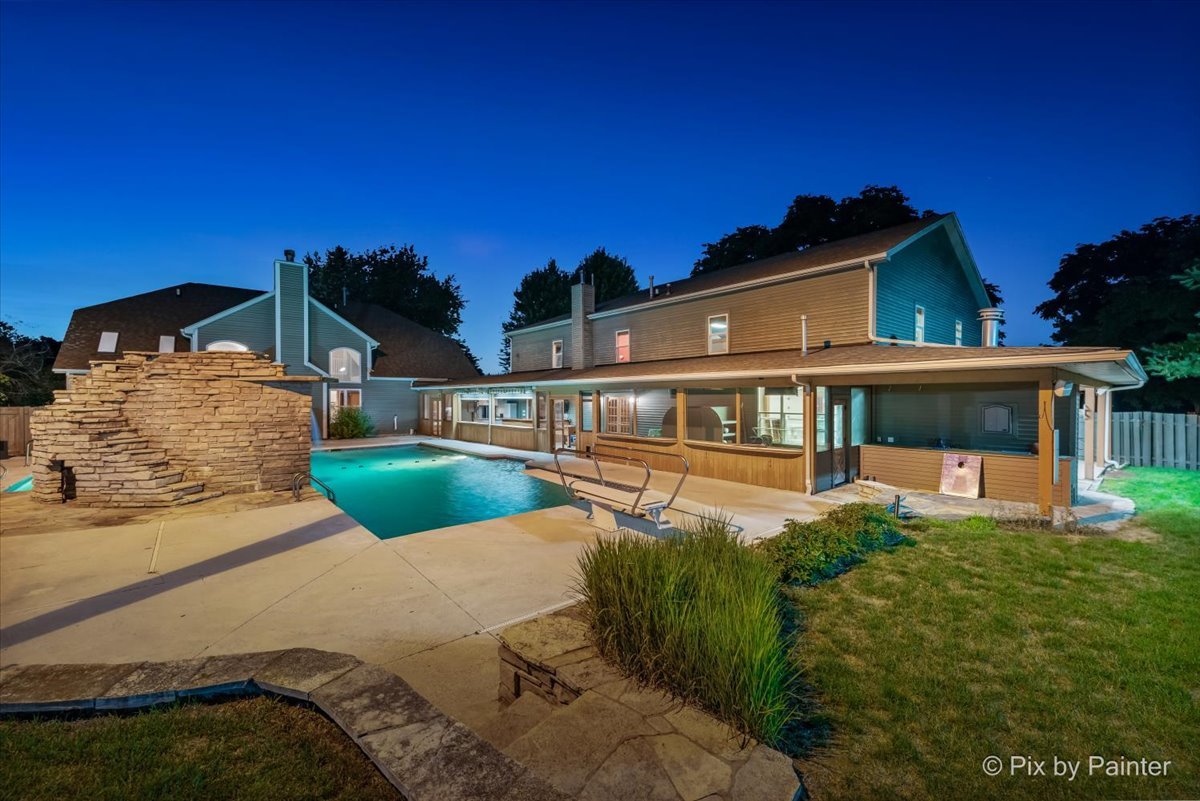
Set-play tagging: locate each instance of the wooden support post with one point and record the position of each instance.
(680, 415)
(1046, 455)
(810, 440)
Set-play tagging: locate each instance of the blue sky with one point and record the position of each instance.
(147, 144)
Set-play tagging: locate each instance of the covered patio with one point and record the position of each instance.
(809, 421)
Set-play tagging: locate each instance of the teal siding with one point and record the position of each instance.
(927, 273)
(253, 326)
(385, 400)
(326, 333)
(291, 298)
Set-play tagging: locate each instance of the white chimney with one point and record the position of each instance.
(990, 319)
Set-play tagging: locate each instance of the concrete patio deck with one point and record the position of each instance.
(295, 575)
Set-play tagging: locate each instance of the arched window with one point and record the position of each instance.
(226, 345)
(345, 364)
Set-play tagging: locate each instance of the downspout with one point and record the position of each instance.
(491, 412)
(1108, 461)
(870, 300)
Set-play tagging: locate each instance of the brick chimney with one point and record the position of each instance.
(583, 303)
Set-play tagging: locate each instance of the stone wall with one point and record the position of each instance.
(161, 429)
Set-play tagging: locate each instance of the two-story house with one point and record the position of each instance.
(369, 356)
(872, 357)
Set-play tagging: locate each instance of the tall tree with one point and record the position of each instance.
(546, 291)
(1123, 292)
(811, 220)
(26, 377)
(397, 278)
(1176, 360)
(609, 273)
(543, 293)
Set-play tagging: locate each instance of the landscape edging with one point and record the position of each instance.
(424, 753)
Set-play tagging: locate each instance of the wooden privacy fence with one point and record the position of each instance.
(1152, 439)
(14, 428)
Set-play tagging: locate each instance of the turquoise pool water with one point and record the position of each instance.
(24, 485)
(410, 488)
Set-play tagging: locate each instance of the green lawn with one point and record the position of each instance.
(245, 750)
(981, 642)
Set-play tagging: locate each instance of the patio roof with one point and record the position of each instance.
(1106, 366)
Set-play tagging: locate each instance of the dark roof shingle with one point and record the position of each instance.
(407, 349)
(139, 320)
(843, 250)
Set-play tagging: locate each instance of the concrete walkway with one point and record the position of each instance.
(298, 575)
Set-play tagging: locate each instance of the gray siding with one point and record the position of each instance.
(916, 416)
(927, 274)
(326, 333)
(384, 399)
(253, 326)
(760, 319)
(291, 298)
(532, 351)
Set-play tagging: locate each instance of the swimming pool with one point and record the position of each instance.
(394, 491)
(24, 485)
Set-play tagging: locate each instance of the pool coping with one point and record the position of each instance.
(422, 752)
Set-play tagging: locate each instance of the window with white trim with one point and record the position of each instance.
(226, 345)
(166, 344)
(556, 353)
(345, 364)
(958, 332)
(623, 345)
(718, 334)
(108, 342)
(919, 325)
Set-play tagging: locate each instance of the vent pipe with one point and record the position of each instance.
(652, 286)
(289, 255)
(990, 320)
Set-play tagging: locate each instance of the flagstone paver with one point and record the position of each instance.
(604, 738)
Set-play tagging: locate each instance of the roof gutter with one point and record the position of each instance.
(796, 376)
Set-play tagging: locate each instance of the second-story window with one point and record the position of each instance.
(919, 325)
(556, 353)
(108, 342)
(718, 334)
(958, 332)
(345, 364)
(623, 346)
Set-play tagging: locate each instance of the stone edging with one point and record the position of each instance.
(424, 753)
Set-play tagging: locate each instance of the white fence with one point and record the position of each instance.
(1152, 439)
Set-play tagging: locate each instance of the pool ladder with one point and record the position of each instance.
(298, 486)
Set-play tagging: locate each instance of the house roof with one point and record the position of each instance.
(407, 349)
(1104, 365)
(875, 244)
(140, 320)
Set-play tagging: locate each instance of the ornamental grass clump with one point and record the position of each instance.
(700, 616)
(350, 422)
(817, 550)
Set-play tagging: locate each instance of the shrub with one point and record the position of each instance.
(699, 616)
(350, 422)
(810, 552)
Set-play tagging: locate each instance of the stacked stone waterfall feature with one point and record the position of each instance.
(167, 429)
